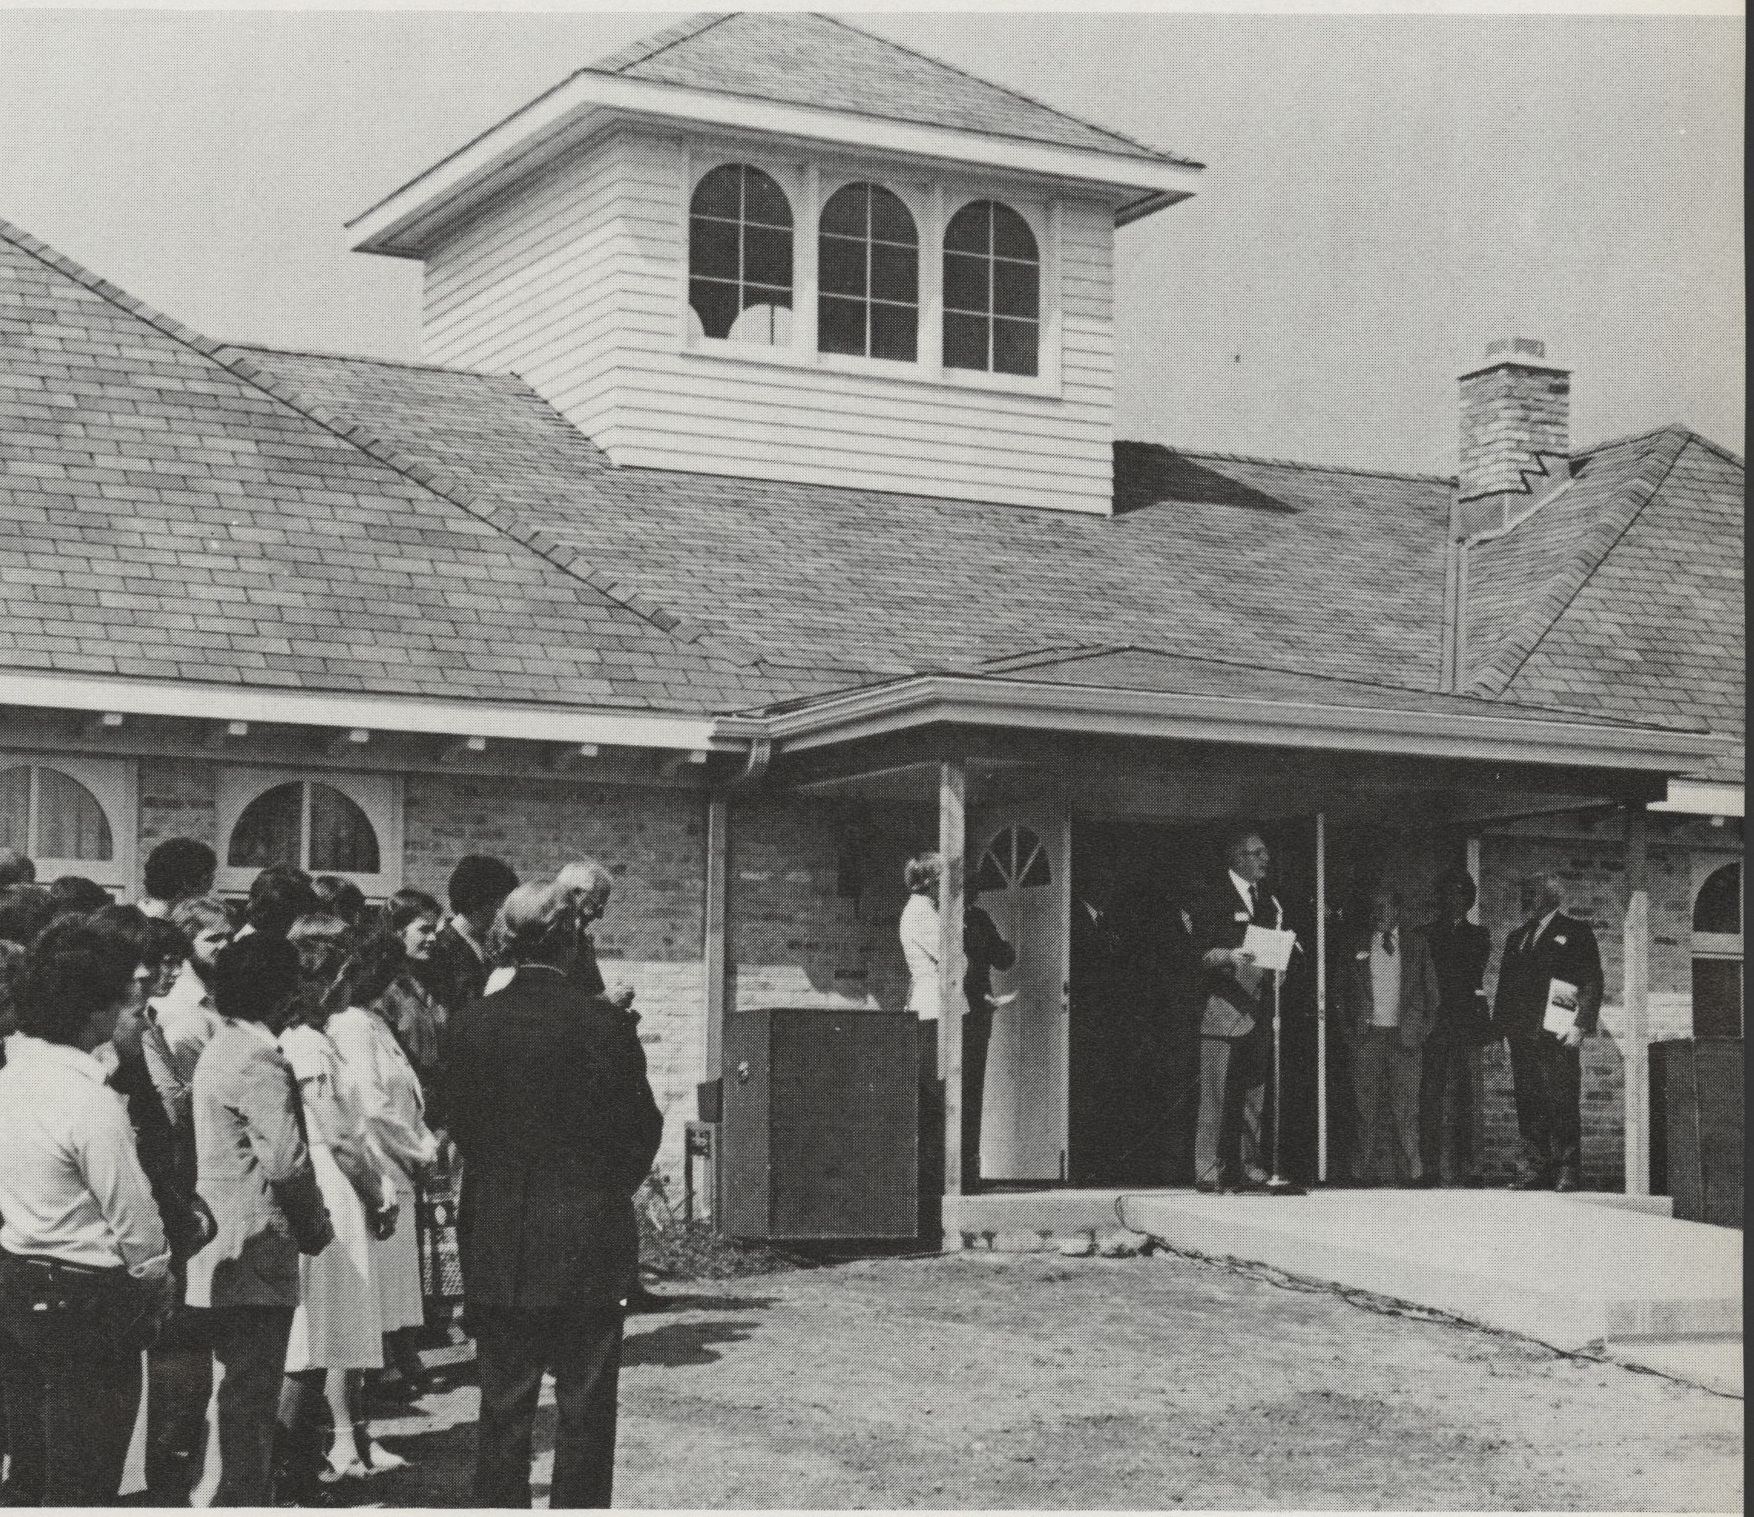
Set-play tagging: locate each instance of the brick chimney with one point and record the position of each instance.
(1516, 433)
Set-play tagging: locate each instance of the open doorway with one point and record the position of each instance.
(1136, 998)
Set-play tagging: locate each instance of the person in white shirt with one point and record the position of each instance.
(183, 1012)
(919, 946)
(84, 1263)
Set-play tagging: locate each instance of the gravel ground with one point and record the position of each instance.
(1029, 1381)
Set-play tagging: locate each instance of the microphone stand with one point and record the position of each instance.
(1277, 1184)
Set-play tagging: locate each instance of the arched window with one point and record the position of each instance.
(343, 823)
(992, 290)
(1717, 955)
(868, 275)
(70, 815)
(740, 256)
(1015, 859)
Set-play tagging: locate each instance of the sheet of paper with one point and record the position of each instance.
(1561, 1015)
(1271, 948)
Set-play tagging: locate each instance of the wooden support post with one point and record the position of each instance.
(713, 947)
(1635, 994)
(952, 824)
(1321, 960)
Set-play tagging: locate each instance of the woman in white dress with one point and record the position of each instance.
(336, 1331)
(390, 1098)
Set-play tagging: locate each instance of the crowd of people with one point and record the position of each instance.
(216, 1119)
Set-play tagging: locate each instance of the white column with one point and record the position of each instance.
(1321, 958)
(952, 809)
(1635, 993)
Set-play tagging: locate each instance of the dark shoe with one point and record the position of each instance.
(1422, 1182)
(1569, 1180)
(1474, 1182)
(1362, 1182)
(1208, 1187)
(1532, 1179)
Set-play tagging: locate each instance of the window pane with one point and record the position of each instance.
(1013, 347)
(342, 839)
(1014, 289)
(1719, 905)
(965, 341)
(991, 875)
(1011, 235)
(718, 192)
(840, 325)
(712, 249)
(891, 220)
(70, 823)
(844, 215)
(764, 324)
(15, 808)
(267, 832)
(1717, 998)
(895, 274)
(715, 304)
(841, 266)
(767, 257)
(895, 332)
(965, 283)
(764, 202)
(968, 228)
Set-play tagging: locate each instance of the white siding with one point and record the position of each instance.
(576, 280)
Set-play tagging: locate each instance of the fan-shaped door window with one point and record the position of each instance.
(345, 825)
(740, 257)
(1014, 860)
(868, 261)
(51, 813)
(992, 290)
(1717, 955)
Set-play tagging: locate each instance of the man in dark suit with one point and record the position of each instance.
(1452, 1088)
(459, 963)
(1235, 1030)
(1545, 1067)
(557, 1127)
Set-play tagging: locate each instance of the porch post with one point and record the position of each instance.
(952, 801)
(1321, 958)
(1635, 993)
(713, 930)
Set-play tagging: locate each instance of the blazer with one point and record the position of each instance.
(1459, 954)
(1565, 951)
(456, 974)
(1232, 998)
(1419, 989)
(557, 1127)
(256, 1174)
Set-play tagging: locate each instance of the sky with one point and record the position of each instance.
(1383, 194)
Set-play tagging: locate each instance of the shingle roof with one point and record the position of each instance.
(822, 61)
(1327, 570)
(1623, 595)
(163, 514)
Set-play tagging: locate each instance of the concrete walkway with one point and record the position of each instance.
(1572, 1271)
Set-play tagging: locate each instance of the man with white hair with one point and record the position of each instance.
(551, 1110)
(588, 885)
(1550, 962)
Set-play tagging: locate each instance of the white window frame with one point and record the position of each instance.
(1714, 945)
(379, 796)
(114, 784)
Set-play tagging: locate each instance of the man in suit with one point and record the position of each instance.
(557, 1127)
(459, 963)
(257, 1180)
(1235, 1028)
(1544, 1066)
(1388, 998)
(1452, 1087)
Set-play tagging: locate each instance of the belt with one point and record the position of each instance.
(96, 1274)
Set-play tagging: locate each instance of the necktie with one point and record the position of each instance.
(1254, 902)
(1388, 943)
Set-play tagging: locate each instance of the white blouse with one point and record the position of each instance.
(919, 944)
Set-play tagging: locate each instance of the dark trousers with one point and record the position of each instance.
(1452, 1110)
(584, 1355)
(179, 1383)
(977, 1033)
(1547, 1077)
(71, 1392)
(931, 1146)
(250, 1344)
(1233, 1092)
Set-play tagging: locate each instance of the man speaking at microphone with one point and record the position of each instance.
(1235, 1028)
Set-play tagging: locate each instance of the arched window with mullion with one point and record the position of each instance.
(868, 275)
(740, 256)
(992, 291)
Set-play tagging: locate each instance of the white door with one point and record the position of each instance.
(1021, 876)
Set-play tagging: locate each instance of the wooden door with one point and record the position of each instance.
(1020, 878)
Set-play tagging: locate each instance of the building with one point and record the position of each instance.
(758, 520)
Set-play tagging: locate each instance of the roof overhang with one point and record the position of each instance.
(403, 224)
(377, 713)
(1492, 736)
(1702, 798)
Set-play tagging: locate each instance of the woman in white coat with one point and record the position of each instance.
(388, 1093)
(919, 946)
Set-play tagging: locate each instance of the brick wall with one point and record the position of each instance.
(176, 800)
